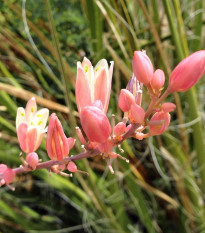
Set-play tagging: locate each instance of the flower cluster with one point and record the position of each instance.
(93, 87)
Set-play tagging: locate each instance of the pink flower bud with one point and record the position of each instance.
(105, 147)
(95, 124)
(72, 167)
(158, 129)
(125, 100)
(142, 67)
(136, 114)
(32, 160)
(8, 176)
(158, 79)
(119, 129)
(30, 126)
(57, 144)
(187, 73)
(168, 107)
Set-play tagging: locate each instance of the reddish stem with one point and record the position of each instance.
(83, 155)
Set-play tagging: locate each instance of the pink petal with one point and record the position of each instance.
(21, 133)
(82, 91)
(57, 143)
(102, 87)
(31, 138)
(98, 104)
(86, 62)
(136, 114)
(31, 109)
(71, 142)
(38, 142)
(49, 139)
(65, 148)
(119, 129)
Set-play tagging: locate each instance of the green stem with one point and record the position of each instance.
(198, 24)
(175, 34)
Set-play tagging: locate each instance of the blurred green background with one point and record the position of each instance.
(163, 187)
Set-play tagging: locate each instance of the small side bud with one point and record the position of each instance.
(72, 167)
(126, 99)
(32, 160)
(136, 114)
(119, 129)
(8, 176)
(164, 118)
(158, 79)
(168, 107)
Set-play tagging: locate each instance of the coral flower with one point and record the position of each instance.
(30, 125)
(93, 83)
(57, 144)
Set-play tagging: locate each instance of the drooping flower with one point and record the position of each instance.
(95, 124)
(187, 72)
(93, 83)
(57, 144)
(142, 67)
(30, 125)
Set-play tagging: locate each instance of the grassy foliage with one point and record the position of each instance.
(163, 188)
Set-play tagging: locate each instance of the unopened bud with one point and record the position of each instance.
(187, 73)
(164, 120)
(32, 160)
(136, 114)
(126, 99)
(168, 107)
(158, 79)
(142, 67)
(72, 167)
(95, 124)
